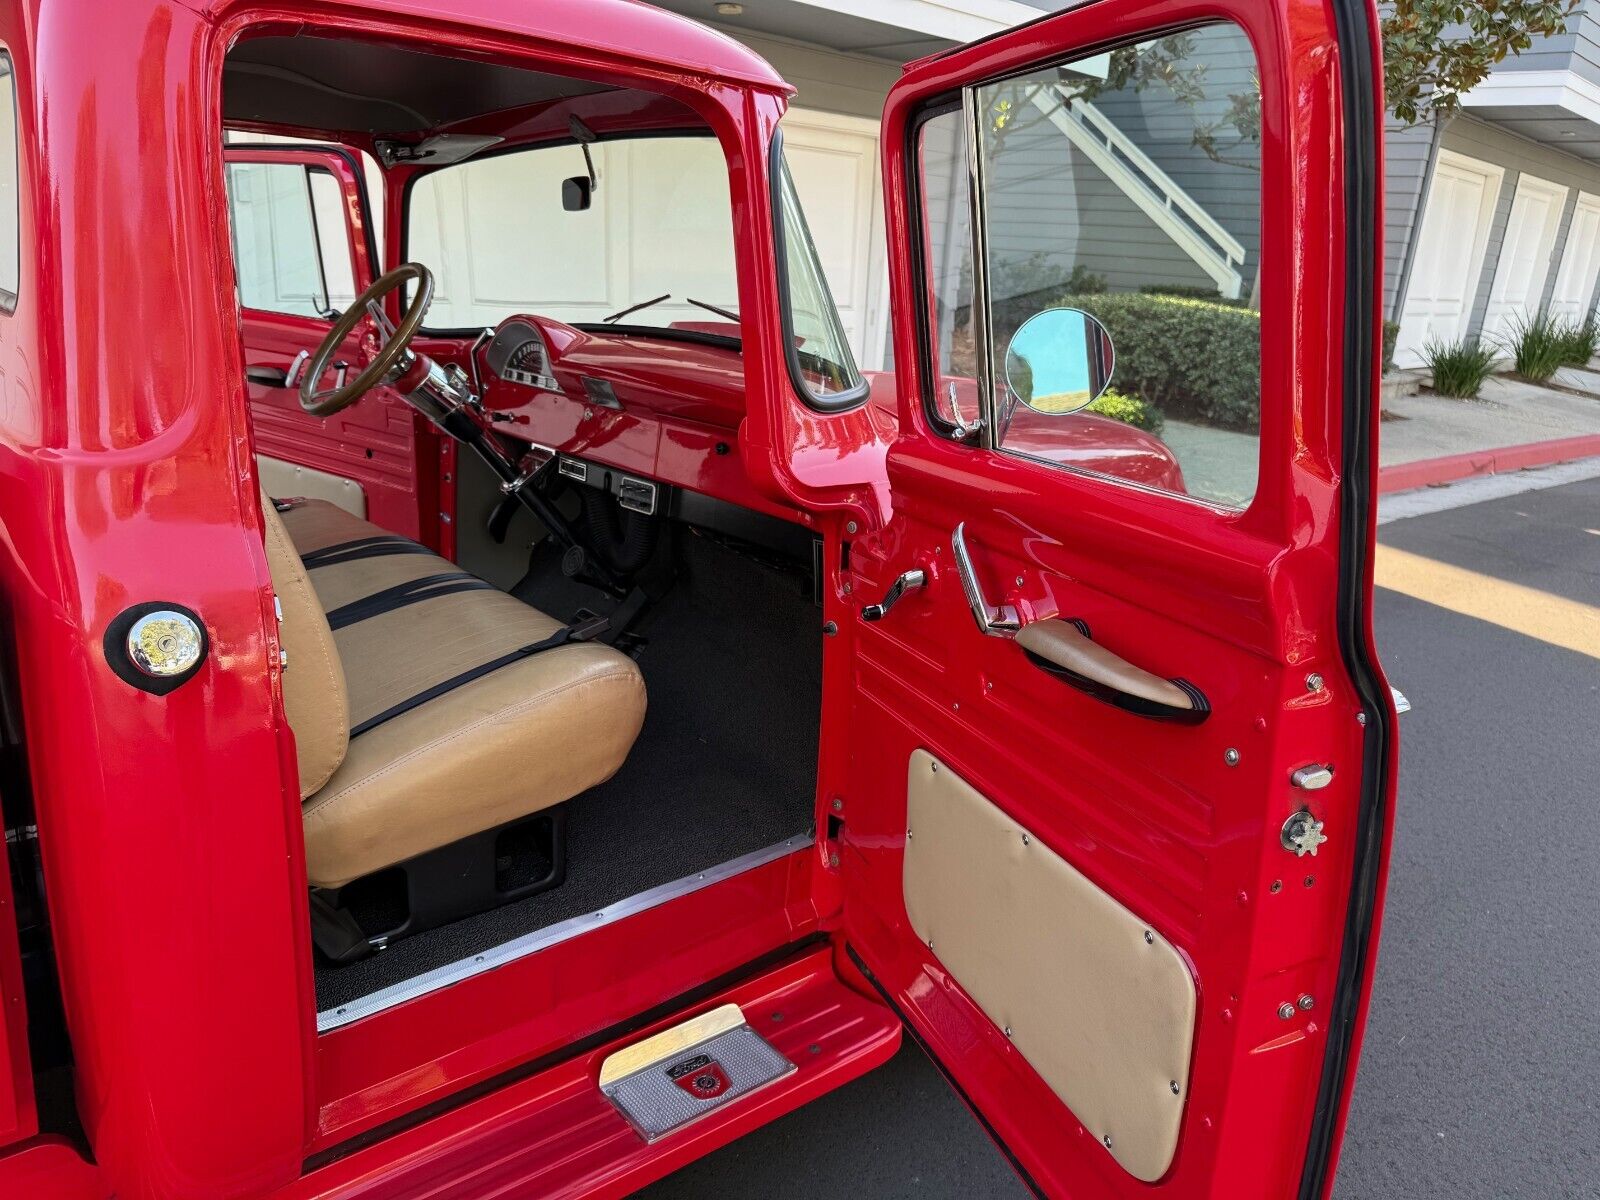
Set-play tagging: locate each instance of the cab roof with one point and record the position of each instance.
(626, 29)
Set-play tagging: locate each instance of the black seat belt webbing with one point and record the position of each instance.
(561, 637)
(411, 592)
(367, 547)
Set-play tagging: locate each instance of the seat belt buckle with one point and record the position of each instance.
(587, 627)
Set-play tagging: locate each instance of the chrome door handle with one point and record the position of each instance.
(291, 377)
(995, 620)
(908, 581)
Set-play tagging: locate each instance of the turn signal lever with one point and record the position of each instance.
(907, 582)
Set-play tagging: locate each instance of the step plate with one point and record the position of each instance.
(693, 1081)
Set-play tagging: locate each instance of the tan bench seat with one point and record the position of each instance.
(371, 622)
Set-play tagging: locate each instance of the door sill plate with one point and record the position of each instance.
(689, 1071)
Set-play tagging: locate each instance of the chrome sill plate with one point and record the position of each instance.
(542, 939)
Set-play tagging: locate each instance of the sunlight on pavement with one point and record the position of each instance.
(1569, 624)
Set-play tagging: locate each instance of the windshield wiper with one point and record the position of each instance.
(615, 317)
(721, 312)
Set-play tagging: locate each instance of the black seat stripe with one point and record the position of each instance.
(368, 547)
(411, 592)
(559, 638)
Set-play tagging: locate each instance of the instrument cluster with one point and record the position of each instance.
(518, 354)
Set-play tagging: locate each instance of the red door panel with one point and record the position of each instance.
(374, 442)
(17, 1114)
(1175, 827)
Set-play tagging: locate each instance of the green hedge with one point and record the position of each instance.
(1192, 359)
(1130, 410)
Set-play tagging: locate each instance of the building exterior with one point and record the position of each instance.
(1490, 216)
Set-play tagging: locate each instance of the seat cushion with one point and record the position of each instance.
(522, 737)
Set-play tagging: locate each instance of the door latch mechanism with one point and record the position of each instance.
(1302, 834)
(908, 581)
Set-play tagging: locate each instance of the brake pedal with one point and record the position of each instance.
(689, 1071)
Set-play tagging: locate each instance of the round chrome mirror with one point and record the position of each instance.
(1059, 361)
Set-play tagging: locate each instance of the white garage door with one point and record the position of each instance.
(500, 242)
(834, 162)
(1580, 261)
(1449, 254)
(1524, 264)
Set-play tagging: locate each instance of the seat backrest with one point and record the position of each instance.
(314, 694)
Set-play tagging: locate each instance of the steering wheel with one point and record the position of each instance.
(391, 347)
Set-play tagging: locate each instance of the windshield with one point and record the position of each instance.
(500, 239)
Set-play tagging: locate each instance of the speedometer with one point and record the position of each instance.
(530, 365)
(519, 355)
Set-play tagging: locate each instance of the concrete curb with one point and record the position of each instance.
(1429, 471)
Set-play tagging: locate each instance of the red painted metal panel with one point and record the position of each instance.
(1242, 604)
(18, 1119)
(50, 1170)
(378, 1069)
(556, 1135)
(169, 826)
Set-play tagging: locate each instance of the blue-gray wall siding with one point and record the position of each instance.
(1577, 50)
(1165, 131)
(1407, 152)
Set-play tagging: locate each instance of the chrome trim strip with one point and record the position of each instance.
(542, 939)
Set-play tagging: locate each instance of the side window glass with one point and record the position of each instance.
(10, 218)
(291, 243)
(1114, 316)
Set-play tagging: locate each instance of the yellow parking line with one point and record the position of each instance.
(1557, 620)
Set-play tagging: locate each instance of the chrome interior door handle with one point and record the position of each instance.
(908, 581)
(994, 620)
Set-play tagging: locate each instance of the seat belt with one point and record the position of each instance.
(413, 591)
(582, 631)
(378, 546)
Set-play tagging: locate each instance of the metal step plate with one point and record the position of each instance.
(684, 1073)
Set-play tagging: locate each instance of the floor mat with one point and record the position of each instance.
(725, 765)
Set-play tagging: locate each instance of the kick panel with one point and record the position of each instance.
(1097, 1002)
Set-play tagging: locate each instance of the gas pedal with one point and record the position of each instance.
(689, 1071)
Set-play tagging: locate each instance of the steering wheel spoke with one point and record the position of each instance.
(381, 320)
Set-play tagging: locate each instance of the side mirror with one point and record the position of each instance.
(1059, 361)
(577, 193)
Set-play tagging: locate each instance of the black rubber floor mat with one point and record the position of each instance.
(726, 763)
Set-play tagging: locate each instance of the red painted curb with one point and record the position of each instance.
(1403, 477)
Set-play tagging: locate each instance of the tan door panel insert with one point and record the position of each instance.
(1097, 1001)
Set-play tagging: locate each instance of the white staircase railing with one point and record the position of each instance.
(1213, 249)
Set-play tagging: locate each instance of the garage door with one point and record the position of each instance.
(834, 161)
(1449, 254)
(1580, 261)
(1524, 265)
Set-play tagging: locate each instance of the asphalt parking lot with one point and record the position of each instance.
(1482, 1051)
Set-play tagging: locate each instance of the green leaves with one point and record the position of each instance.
(1434, 50)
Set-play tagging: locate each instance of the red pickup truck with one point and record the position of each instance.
(495, 702)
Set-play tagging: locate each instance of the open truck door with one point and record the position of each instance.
(304, 249)
(1122, 753)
